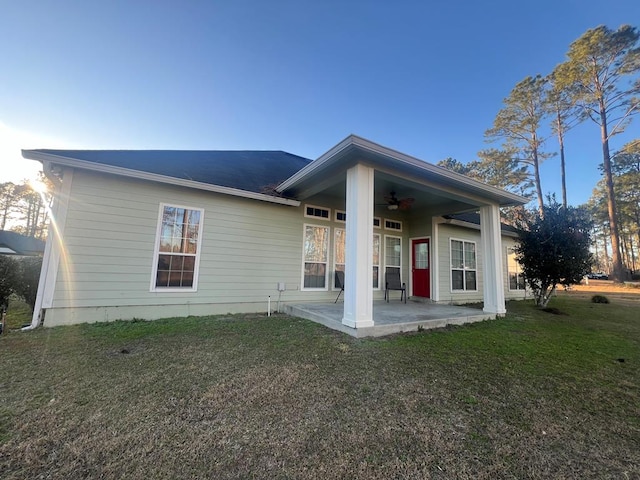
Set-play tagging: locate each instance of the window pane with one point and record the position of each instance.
(376, 249)
(316, 240)
(189, 264)
(470, 255)
(376, 272)
(392, 252)
(456, 254)
(456, 280)
(314, 275)
(513, 281)
(340, 246)
(339, 268)
(470, 280)
(162, 278)
(421, 255)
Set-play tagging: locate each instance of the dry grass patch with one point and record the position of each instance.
(530, 396)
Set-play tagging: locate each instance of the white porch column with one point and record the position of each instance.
(358, 274)
(492, 260)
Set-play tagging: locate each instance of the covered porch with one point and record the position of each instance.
(361, 179)
(390, 318)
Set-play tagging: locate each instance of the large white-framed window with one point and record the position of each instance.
(463, 265)
(339, 246)
(392, 252)
(315, 252)
(514, 271)
(177, 248)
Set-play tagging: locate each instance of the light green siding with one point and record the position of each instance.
(248, 247)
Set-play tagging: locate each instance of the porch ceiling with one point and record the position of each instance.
(426, 200)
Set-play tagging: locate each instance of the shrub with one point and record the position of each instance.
(8, 279)
(599, 299)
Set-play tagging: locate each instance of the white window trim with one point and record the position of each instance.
(464, 269)
(328, 219)
(384, 252)
(392, 229)
(196, 268)
(379, 226)
(509, 252)
(335, 247)
(336, 216)
(326, 275)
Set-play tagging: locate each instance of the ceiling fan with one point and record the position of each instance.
(395, 203)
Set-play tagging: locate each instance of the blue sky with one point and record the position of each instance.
(425, 78)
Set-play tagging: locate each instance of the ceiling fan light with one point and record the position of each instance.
(392, 207)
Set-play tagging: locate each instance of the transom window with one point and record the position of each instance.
(463, 265)
(514, 270)
(317, 212)
(177, 248)
(315, 251)
(393, 225)
(341, 216)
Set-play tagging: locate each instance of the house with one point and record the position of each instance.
(12, 243)
(151, 234)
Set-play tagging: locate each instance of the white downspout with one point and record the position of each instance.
(53, 247)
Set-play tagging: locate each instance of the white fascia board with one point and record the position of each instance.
(324, 160)
(353, 140)
(154, 177)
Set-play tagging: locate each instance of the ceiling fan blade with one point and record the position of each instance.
(405, 203)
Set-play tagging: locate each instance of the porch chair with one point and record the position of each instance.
(339, 283)
(392, 277)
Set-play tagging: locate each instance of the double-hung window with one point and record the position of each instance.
(514, 270)
(392, 252)
(463, 265)
(315, 257)
(177, 250)
(339, 255)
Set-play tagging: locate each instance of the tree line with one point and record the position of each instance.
(599, 83)
(23, 209)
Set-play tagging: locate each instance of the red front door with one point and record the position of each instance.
(420, 267)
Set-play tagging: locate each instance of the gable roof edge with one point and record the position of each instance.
(358, 142)
(154, 177)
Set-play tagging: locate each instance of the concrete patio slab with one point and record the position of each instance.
(390, 318)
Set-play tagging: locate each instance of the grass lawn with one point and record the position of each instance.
(533, 395)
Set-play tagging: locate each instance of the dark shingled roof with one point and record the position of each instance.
(250, 170)
(20, 244)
